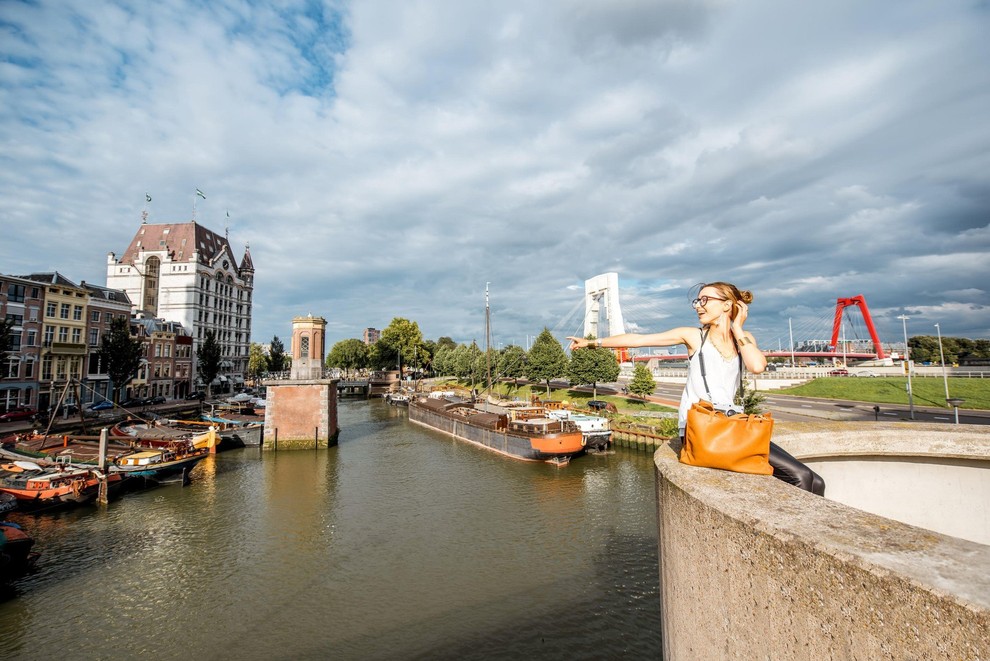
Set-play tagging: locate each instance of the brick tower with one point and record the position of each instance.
(301, 411)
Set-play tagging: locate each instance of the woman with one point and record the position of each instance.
(722, 310)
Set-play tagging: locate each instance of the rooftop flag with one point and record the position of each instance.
(200, 193)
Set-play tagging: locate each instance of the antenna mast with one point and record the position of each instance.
(488, 340)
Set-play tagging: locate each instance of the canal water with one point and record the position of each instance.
(399, 543)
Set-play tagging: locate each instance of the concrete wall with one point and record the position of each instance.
(752, 568)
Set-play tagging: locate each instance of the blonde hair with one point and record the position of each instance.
(734, 295)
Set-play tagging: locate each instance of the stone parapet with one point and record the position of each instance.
(753, 568)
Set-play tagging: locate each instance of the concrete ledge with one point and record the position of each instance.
(751, 567)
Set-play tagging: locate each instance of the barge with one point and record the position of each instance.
(527, 433)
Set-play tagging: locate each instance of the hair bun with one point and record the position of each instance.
(746, 296)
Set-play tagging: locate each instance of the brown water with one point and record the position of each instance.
(399, 543)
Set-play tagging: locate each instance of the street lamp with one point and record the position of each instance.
(907, 362)
(941, 355)
(955, 403)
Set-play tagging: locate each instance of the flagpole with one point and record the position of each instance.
(198, 193)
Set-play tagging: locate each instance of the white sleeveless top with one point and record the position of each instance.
(723, 381)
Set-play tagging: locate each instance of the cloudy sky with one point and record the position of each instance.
(388, 159)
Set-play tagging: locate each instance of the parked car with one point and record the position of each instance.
(196, 395)
(18, 413)
(105, 405)
(132, 402)
(157, 399)
(839, 372)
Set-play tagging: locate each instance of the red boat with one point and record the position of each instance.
(39, 488)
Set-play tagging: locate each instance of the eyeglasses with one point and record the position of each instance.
(702, 301)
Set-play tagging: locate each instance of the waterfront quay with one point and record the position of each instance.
(398, 543)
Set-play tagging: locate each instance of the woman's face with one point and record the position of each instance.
(711, 305)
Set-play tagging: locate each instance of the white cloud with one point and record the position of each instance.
(388, 158)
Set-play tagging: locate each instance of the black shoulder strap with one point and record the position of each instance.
(701, 360)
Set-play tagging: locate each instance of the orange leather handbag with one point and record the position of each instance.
(738, 442)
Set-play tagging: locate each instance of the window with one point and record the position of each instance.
(18, 319)
(94, 337)
(49, 335)
(46, 368)
(77, 313)
(63, 334)
(33, 314)
(50, 309)
(304, 346)
(15, 293)
(158, 350)
(15, 341)
(35, 292)
(168, 350)
(32, 338)
(12, 368)
(94, 316)
(64, 312)
(76, 335)
(29, 369)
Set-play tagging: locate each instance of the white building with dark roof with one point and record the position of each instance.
(185, 273)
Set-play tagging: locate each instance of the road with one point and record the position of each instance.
(795, 409)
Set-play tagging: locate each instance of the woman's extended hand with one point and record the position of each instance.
(578, 343)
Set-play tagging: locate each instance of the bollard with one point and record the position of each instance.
(316, 438)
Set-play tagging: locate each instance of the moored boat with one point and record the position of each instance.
(15, 551)
(596, 429)
(46, 487)
(528, 433)
(211, 432)
(160, 462)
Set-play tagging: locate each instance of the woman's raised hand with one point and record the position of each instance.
(741, 314)
(577, 343)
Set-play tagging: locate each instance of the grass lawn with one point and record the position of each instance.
(575, 397)
(928, 391)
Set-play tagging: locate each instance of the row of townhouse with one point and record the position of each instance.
(57, 330)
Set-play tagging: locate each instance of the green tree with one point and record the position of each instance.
(349, 354)
(483, 364)
(6, 336)
(924, 348)
(752, 400)
(445, 341)
(460, 362)
(426, 354)
(442, 360)
(277, 360)
(401, 340)
(547, 360)
(120, 354)
(257, 361)
(642, 384)
(209, 355)
(512, 364)
(591, 366)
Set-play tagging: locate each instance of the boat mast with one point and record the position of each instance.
(488, 338)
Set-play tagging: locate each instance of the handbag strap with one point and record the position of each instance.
(701, 359)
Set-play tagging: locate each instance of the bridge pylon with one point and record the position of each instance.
(602, 314)
(859, 301)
